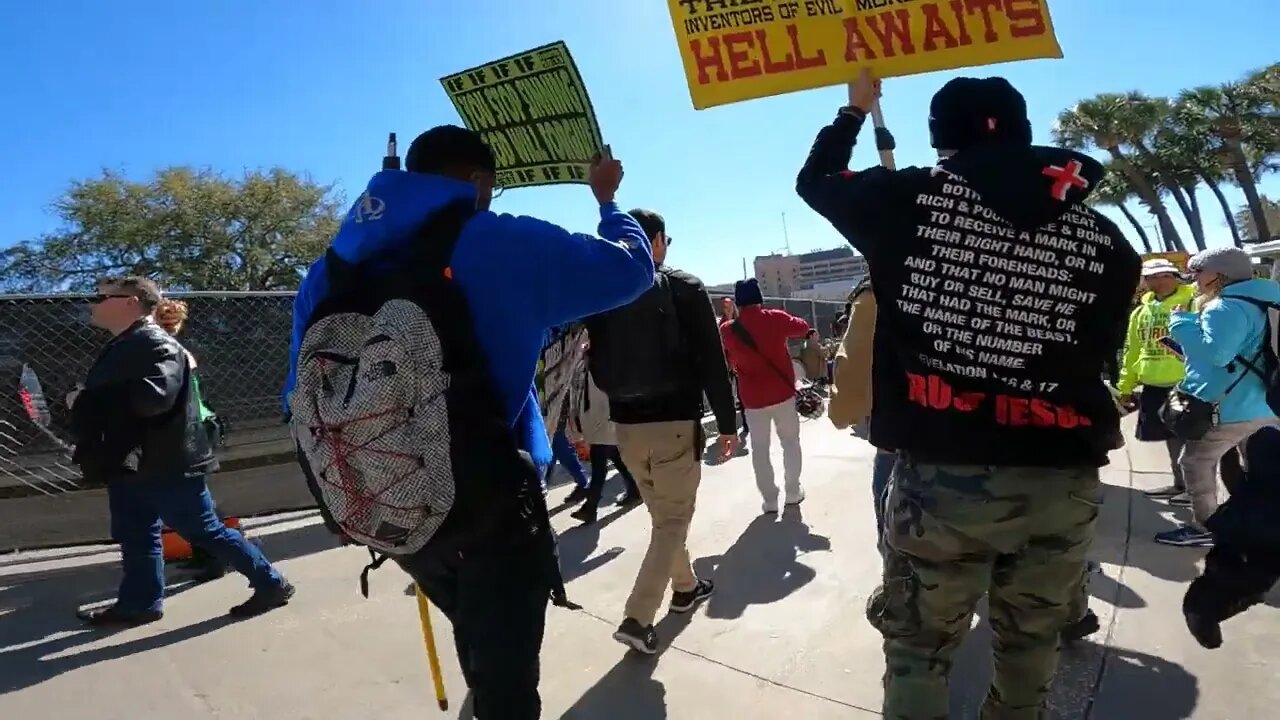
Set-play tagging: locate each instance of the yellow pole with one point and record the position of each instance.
(433, 659)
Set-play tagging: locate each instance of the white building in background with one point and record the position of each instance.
(836, 290)
(1267, 255)
(789, 275)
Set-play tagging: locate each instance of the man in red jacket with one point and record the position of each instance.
(756, 347)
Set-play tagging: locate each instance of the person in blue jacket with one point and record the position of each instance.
(1231, 325)
(520, 277)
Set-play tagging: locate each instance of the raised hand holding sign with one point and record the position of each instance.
(864, 92)
(605, 176)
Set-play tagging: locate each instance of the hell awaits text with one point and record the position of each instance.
(736, 39)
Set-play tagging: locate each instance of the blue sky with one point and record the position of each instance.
(315, 85)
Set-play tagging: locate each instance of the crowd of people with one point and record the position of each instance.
(428, 412)
(1199, 369)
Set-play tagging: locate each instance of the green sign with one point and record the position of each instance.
(533, 110)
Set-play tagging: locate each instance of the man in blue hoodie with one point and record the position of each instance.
(520, 277)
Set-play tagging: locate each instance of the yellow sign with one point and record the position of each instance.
(737, 50)
(533, 110)
(1177, 258)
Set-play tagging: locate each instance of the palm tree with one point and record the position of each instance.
(1270, 208)
(1262, 137)
(1115, 191)
(1147, 117)
(1195, 158)
(1107, 122)
(1233, 112)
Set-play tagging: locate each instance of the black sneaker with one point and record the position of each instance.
(1167, 491)
(586, 514)
(1082, 628)
(1206, 632)
(640, 638)
(685, 601)
(115, 617)
(264, 600)
(1180, 500)
(578, 495)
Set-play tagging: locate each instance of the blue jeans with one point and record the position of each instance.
(881, 471)
(183, 503)
(563, 452)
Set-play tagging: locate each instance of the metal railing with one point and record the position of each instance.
(240, 340)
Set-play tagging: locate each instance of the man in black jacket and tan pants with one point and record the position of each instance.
(654, 359)
(137, 428)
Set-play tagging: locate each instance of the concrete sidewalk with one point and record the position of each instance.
(783, 636)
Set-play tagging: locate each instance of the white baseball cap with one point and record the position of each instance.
(1159, 266)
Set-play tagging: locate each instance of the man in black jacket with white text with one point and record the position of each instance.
(1001, 295)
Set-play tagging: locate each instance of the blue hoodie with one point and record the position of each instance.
(520, 275)
(1210, 341)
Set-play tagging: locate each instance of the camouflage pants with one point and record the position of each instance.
(956, 533)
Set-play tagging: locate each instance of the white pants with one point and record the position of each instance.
(761, 421)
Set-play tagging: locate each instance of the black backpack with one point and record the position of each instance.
(1266, 364)
(399, 429)
(638, 350)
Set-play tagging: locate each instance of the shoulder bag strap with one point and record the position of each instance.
(1254, 366)
(741, 331)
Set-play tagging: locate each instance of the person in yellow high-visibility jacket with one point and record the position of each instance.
(1153, 367)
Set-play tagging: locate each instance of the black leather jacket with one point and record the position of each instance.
(136, 415)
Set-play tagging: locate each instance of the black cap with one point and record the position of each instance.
(651, 222)
(747, 292)
(447, 146)
(968, 111)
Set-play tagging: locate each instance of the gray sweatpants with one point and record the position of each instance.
(1199, 462)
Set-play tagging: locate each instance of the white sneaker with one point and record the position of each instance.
(797, 499)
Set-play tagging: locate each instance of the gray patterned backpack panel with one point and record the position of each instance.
(371, 419)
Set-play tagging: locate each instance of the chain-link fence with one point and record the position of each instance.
(820, 314)
(240, 340)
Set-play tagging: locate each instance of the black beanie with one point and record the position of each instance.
(968, 111)
(747, 292)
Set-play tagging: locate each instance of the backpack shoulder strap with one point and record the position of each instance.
(433, 246)
(430, 250)
(1267, 358)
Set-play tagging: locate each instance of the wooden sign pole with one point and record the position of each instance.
(885, 143)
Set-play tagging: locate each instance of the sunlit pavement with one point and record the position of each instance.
(784, 636)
